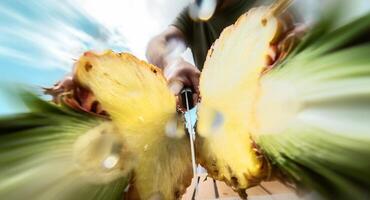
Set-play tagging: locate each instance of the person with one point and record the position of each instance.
(198, 36)
(162, 51)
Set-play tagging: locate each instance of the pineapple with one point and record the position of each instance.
(306, 117)
(115, 132)
(139, 146)
(226, 112)
(136, 96)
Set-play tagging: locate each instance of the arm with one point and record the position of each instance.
(160, 47)
(165, 51)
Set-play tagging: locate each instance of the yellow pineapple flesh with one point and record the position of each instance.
(229, 85)
(135, 95)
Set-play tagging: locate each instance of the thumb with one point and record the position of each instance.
(175, 86)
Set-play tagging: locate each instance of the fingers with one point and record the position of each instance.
(194, 79)
(195, 85)
(176, 86)
(286, 24)
(272, 55)
(65, 85)
(183, 75)
(285, 42)
(291, 40)
(288, 21)
(195, 98)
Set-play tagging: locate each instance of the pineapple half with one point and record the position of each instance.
(135, 95)
(225, 144)
(137, 149)
(306, 118)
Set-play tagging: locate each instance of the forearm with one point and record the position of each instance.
(156, 52)
(168, 46)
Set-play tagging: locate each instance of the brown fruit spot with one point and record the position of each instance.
(234, 181)
(264, 22)
(177, 194)
(88, 66)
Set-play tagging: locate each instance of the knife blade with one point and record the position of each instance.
(187, 101)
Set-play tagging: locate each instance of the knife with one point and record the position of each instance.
(187, 101)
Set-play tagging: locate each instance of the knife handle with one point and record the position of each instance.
(187, 98)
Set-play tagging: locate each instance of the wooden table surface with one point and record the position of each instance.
(209, 190)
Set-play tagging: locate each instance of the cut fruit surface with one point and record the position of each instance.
(229, 84)
(135, 95)
(307, 117)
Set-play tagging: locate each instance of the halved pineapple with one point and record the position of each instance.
(226, 113)
(136, 97)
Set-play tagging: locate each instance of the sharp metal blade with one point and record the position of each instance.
(186, 95)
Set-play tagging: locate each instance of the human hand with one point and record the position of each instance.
(180, 74)
(290, 36)
(70, 93)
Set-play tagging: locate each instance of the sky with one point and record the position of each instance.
(40, 40)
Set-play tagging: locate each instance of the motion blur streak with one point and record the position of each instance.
(50, 34)
(39, 41)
